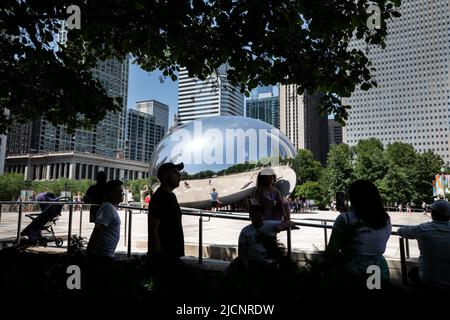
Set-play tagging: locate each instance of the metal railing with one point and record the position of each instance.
(201, 214)
(404, 209)
(70, 205)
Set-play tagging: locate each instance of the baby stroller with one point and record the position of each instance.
(44, 221)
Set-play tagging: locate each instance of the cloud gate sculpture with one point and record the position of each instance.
(225, 153)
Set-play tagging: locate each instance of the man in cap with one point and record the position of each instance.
(434, 245)
(166, 239)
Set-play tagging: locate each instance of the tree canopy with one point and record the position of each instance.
(306, 167)
(303, 42)
(400, 172)
(339, 173)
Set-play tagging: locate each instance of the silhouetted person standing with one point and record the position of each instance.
(166, 239)
(96, 195)
(106, 234)
(104, 240)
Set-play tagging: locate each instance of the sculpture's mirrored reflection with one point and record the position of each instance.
(225, 153)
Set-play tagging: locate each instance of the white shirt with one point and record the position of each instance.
(368, 241)
(433, 239)
(248, 237)
(108, 216)
(130, 197)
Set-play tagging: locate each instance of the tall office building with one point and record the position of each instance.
(157, 109)
(301, 123)
(265, 107)
(107, 138)
(334, 132)
(43, 151)
(143, 134)
(211, 97)
(412, 101)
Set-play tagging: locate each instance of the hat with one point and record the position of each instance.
(441, 207)
(112, 184)
(267, 172)
(167, 166)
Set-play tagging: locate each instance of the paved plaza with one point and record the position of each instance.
(216, 231)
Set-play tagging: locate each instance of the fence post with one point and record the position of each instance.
(19, 224)
(403, 261)
(69, 236)
(130, 213)
(81, 220)
(126, 229)
(325, 233)
(200, 238)
(407, 248)
(289, 240)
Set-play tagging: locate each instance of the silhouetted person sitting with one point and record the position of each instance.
(258, 247)
(166, 242)
(362, 234)
(433, 239)
(269, 197)
(96, 195)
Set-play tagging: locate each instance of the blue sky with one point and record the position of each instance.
(143, 86)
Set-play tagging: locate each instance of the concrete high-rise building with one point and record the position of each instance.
(265, 107)
(301, 122)
(143, 134)
(412, 101)
(159, 110)
(211, 97)
(334, 132)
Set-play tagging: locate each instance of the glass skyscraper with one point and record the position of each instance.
(107, 138)
(144, 131)
(265, 107)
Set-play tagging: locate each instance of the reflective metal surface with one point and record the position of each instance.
(222, 145)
